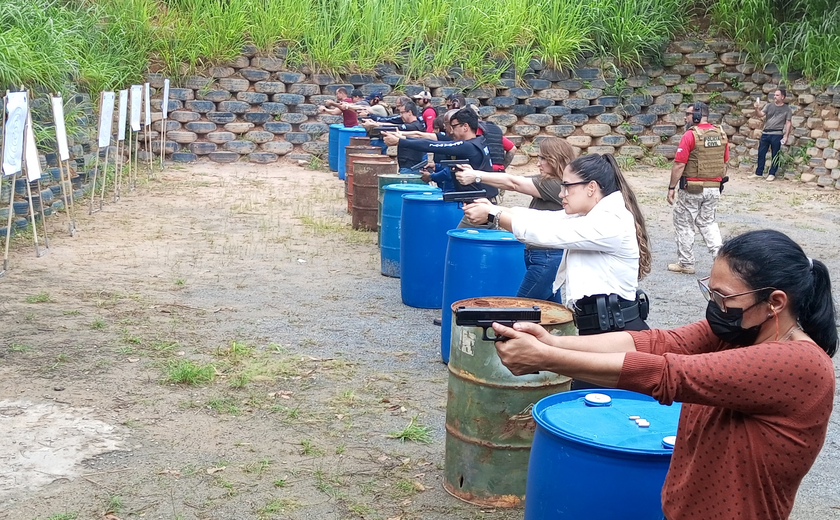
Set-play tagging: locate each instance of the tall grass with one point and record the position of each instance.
(105, 44)
(797, 35)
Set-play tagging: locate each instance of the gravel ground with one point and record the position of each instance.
(262, 254)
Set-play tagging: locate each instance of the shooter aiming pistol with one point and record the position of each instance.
(484, 317)
(464, 197)
(453, 164)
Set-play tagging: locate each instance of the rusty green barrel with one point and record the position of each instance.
(489, 427)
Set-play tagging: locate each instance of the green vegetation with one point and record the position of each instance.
(106, 44)
(796, 35)
(413, 432)
(109, 43)
(184, 371)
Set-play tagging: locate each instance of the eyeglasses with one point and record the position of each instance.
(720, 299)
(567, 185)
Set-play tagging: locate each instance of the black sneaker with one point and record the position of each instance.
(436, 321)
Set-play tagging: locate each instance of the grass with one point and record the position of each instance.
(115, 504)
(187, 372)
(307, 448)
(17, 347)
(63, 516)
(799, 35)
(41, 297)
(110, 43)
(277, 506)
(413, 432)
(225, 405)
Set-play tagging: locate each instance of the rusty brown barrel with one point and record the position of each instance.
(348, 180)
(489, 427)
(366, 192)
(360, 140)
(348, 174)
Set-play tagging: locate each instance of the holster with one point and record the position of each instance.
(605, 312)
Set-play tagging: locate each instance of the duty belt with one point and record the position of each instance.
(604, 312)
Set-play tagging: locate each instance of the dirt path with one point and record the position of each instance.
(247, 281)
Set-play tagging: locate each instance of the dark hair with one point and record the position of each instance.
(604, 170)
(457, 98)
(356, 93)
(410, 106)
(704, 109)
(466, 115)
(437, 124)
(341, 89)
(768, 258)
(783, 91)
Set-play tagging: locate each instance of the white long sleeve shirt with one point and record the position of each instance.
(602, 253)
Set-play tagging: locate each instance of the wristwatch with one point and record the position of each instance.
(478, 179)
(493, 215)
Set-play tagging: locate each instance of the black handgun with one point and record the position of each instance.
(419, 166)
(484, 317)
(384, 128)
(464, 197)
(453, 163)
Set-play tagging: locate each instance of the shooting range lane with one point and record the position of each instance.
(264, 255)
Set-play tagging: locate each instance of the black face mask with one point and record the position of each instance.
(726, 325)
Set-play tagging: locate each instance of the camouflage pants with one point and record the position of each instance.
(698, 210)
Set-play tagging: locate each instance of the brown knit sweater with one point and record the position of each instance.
(753, 419)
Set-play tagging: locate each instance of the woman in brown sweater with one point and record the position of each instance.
(755, 378)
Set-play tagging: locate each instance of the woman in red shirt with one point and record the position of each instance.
(755, 378)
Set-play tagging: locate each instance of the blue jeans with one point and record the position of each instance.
(541, 269)
(380, 143)
(774, 143)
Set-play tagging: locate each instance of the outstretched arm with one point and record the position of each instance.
(597, 359)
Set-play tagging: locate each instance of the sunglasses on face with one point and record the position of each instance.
(720, 299)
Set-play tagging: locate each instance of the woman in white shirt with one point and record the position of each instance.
(603, 232)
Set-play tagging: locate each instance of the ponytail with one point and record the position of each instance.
(805, 281)
(816, 315)
(633, 207)
(604, 170)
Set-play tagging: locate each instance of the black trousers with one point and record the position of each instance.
(637, 324)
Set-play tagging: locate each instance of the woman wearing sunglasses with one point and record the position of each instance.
(603, 232)
(755, 378)
(541, 263)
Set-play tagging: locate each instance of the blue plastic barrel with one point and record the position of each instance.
(479, 262)
(389, 244)
(344, 135)
(590, 460)
(423, 240)
(332, 155)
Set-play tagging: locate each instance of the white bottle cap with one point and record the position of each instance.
(669, 441)
(597, 400)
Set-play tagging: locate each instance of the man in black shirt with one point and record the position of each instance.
(406, 157)
(465, 145)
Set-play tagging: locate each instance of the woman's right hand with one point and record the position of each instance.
(524, 352)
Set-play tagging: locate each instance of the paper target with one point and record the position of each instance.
(164, 105)
(60, 130)
(122, 116)
(148, 106)
(33, 163)
(106, 118)
(136, 107)
(17, 105)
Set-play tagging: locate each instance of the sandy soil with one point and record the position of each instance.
(248, 281)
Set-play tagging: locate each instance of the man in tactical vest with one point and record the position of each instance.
(696, 179)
